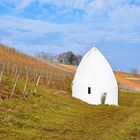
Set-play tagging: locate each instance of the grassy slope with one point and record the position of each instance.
(54, 114)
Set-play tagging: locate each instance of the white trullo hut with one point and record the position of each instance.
(94, 81)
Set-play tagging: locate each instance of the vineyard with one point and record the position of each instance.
(18, 70)
(20, 75)
(53, 113)
(125, 82)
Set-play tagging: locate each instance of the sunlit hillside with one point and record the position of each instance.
(18, 70)
(36, 103)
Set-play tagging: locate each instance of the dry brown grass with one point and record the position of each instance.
(52, 76)
(122, 80)
(11, 56)
(71, 67)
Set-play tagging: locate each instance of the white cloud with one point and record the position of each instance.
(23, 4)
(103, 22)
(96, 5)
(112, 21)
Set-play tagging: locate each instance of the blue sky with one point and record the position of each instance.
(56, 26)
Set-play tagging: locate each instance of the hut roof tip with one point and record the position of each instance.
(94, 45)
(94, 48)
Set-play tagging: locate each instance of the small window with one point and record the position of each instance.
(89, 90)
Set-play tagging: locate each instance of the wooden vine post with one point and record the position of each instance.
(49, 80)
(15, 83)
(36, 86)
(25, 85)
(1, 74)
(15, 75)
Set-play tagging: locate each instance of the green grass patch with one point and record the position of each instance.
(54, 114)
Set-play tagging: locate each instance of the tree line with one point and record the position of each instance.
(69, 57)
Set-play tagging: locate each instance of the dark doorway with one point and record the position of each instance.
(103, 98)
(89, 90)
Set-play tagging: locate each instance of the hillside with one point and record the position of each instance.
(46, 109)
(128, 81)
(10, 59)
(16, 66)
(10, 56)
